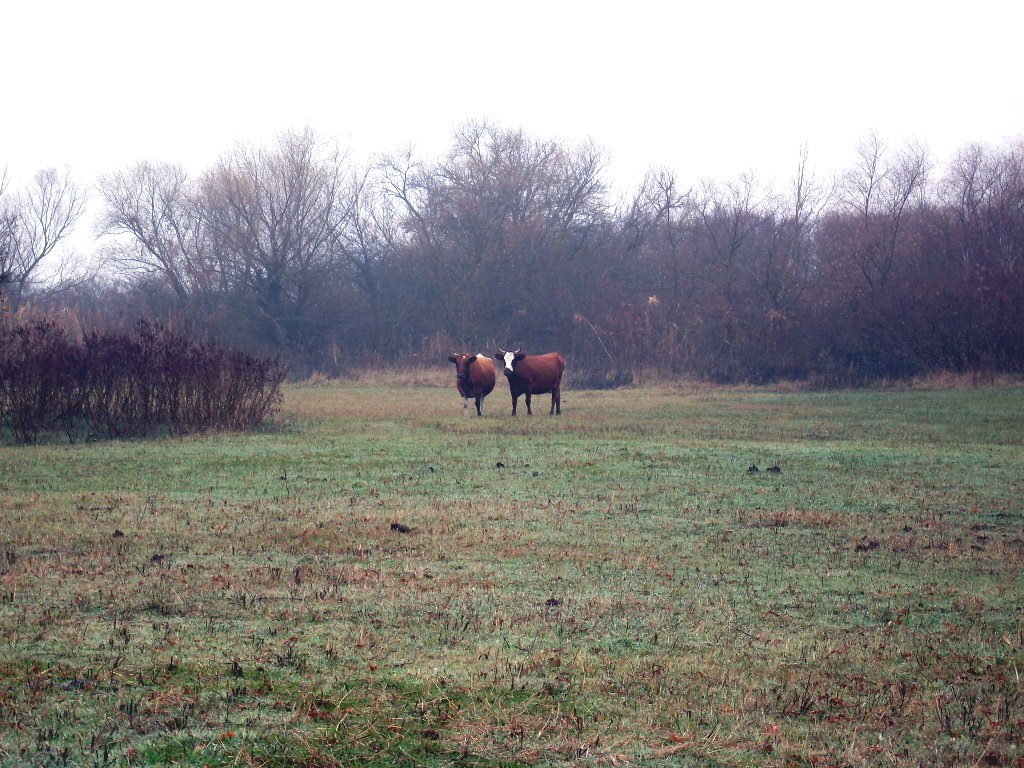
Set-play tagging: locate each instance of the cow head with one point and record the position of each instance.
(510, 359)
(462, 363)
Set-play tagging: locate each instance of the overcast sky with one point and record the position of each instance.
(707, 89)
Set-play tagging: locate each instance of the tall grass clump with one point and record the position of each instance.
(151, 380)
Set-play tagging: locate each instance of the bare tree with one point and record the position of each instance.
(154, 216)
(503, 215)
(278, 222)
(658, 230)
(271, 244)
(984, 190)
(8, 239)
(33, 224)
(789, 257)
(367, 243)
(784, 271)
(880, 190)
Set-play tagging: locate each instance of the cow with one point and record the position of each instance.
(474, 377)
(533, 375)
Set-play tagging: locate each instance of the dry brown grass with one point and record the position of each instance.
(952, 380)
(386, 376)
(441, 376)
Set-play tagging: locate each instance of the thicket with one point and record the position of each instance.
(152, 380)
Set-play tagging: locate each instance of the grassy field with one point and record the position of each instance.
(376, 579)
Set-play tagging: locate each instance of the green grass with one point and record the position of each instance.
(621, 591)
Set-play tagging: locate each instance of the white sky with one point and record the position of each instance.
(713, 88)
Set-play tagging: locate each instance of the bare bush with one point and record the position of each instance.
(147, 382)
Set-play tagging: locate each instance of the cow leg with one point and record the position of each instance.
(479, 406)
(529, 410)
(556, 401)
(515, 399)
(465, 406)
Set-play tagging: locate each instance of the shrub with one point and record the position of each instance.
(151, 381)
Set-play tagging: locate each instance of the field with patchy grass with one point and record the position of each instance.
(378, 580)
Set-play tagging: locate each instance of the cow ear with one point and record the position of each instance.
(520, 355)
(453, 359)
(471, 359)
(499, 355)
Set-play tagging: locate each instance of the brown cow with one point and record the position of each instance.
(474, 376)
(534, 375)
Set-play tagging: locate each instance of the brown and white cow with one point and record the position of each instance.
(533, 375)
(474, 376)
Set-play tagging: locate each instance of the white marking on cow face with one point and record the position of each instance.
(509, 359)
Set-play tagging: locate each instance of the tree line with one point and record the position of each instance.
(893, 267)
